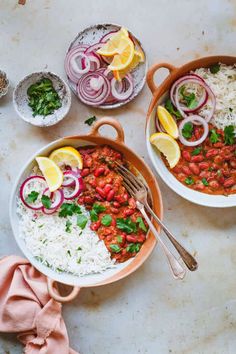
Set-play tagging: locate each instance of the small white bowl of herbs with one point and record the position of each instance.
(42, 99)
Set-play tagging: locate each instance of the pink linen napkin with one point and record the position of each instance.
(27, 309)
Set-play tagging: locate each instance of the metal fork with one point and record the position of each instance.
(140, 191)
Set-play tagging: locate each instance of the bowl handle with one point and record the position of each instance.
(152, 71)
(113, 123)
(54, 293)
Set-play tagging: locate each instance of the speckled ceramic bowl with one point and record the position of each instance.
(4, 91)
(94, 34)
(20, 99)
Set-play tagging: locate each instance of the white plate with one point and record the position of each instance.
(218, 201)
(92, 35)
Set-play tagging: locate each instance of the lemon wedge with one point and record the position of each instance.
(110, 47)
(168, 122)
(137, 58)
(124, 56)
(68, 156)
(168, 146)
(51, 172)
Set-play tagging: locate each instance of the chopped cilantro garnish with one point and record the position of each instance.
(32, 197)
(215, 68)
(189, 181)
(69, 253)
(46, 201)
(97, 208)
(119, 239)
(68, 226)
(115, 248)
(229, 135)
(133, 247)
(82, 221)
(106, 220)
(68, 209)
(196, 151)
(90, 120)
(190, 99)
(170, 108)
(204, 181)
(214, 136)
(187, 130)
(126, 225)
(141, 224)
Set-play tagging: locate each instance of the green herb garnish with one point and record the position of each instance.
(196, 151)
(204, 181)
(79, 249)
(46, 201)
(119, 239)
(90, 120)
(190, 100)
(141, 224)
(215, 68)
(133, 247)
(32, 197)
(189, 181)
(115, 248)
(68, 226)
(170, 108)
(43, 98)
(79, 260)
(69, 253)
(82, 221)
(214, 136)
(97, 208)
(229, 135)
(106, 220)
(187, 130)
(126, 225)
(68, 209)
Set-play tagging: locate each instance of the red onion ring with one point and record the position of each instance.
(208, 90)
(48, 211)
(78, 188)
(107, 36)
(68, 180)
(56, 197)
(73, 52)
(85, 64)
(89, 96)
(122, 92)
(22, 190)
(193, 120)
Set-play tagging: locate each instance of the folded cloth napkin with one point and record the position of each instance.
(27, 309)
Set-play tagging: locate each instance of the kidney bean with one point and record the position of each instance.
(101, 192)
(81, 200)
(128, 212)
(141, 238)
(101, 183)
(229, 182)
(98, 197)
(228, 157)
(88, 199)
(92, 182)
(116, 204)
(113, 222)
(186, 170)
(88, 161)
(203, 165)
(132, 203)
(199, 186)
(131, 238)
(194, 168)
(110, 195)
(118, 198)
(214, 166)
(99, 171)
(186, 155)
(101, 236)
(197, 158)
(218, 144)
(204, 174)
(107, 188)
(214, 184)
(226, 172)
(197, 133)
(106, 172)
(117, 155)
(221, 180)
(218, 159)
(109, 238)
(85, 172)
(176, 169)
(211, 153)
(95, 225)
(233, 163)
(114, 210)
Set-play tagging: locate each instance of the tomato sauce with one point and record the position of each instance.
(209, 167)
(103, 187)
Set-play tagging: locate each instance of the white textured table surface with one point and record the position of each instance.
(147, 312)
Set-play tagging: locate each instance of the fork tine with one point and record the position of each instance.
(130, 184)
(131, 175)
(128, 189)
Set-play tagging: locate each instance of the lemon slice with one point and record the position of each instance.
(51, 172)
(168, 122)
(124, 56)
(168, 146)
(137, 58)
(110, 47)
(68, 156)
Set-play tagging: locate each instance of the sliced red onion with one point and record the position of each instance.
(85, 64)
(120, 90)
(38, 204)
(77, 189)
(49, 211)
(95, 62)
(107, 36)
(193, 119)
(90, 96)
(97, 83)
(185, 80)
(56, 197)
(68, 180)
(93, 48)
(73, 53)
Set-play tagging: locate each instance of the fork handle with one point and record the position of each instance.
(188, 259)
(177, 270)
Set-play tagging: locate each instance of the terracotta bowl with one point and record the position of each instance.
(123, 269)
(159, 95)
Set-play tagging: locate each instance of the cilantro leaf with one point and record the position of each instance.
(119, 239)
(141, 224)
(229, 135)
(214, 136)
(93, 215)
(204, 181)
(133, 247)
(126, 225)
(215, 68)
(90, 120)
(196, 151)
(189, 181)
(190, 100)
(46, 201)
(97, 208)
(68, 209)
(69, 253)
(187, 130)
(106, 220)
(170, 108)
(115, 248)
(82, 221)
(32, 197)
(68, 226)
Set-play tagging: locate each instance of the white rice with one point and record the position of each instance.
(223, 85)
(79, 252)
